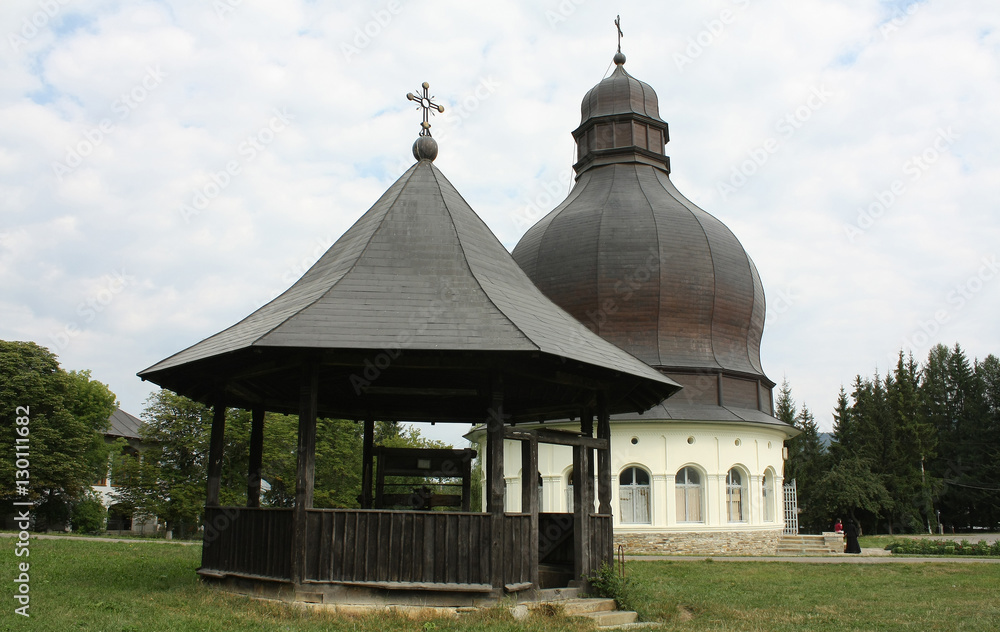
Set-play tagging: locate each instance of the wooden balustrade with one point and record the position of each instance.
(248, 541)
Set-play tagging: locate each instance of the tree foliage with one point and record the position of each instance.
(170, 479)
(918, 442)
(68, 413)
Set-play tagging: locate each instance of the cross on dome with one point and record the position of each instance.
(426, 103)
(619, 58)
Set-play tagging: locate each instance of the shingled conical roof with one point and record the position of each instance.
(416, 296)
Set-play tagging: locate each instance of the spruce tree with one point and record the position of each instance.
(809, 467)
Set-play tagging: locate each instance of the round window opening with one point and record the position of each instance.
(738, 442)
(635, 440)
(690, 440)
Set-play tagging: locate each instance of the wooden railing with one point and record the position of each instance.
(381, 547)
(378, 546)
(517, 537)
(248, 541)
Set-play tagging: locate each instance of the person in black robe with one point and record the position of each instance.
(852, 531)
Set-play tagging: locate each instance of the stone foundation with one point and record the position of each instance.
(699, 543)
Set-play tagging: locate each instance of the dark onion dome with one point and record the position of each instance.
(643, 266)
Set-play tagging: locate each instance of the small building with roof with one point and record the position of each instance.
(645, 268)
(127, 427)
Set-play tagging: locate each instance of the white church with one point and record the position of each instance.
(643, 267)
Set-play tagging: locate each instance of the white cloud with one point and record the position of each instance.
(847, 306)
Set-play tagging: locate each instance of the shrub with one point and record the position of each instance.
(88, 515)
(607, 582)
(942, 547)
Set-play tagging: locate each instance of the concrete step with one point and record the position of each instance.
(578, 607)
(557, 594)
(810, 544)
(612, 619)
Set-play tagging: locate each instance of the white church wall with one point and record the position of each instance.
(662, 451)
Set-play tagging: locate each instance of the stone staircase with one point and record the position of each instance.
(599, 610)
(824, 544)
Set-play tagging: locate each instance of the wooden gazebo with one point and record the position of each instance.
(417, 313)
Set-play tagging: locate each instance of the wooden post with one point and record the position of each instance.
(587, 430)
(380, 481)
(529, 502)
(604, 480)
(367, 460)
(582, 478)
(215, 449)
(256, 456)
(467, 481)
(305, 468)
(495, 483)
(604, 457)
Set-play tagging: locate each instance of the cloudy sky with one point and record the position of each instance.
(168, 166)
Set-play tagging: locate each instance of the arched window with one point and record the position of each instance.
(767, 496)
(687, 486)
(633, 494)
(735, 509)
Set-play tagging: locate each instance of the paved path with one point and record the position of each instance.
(868, 556)
(42, 536)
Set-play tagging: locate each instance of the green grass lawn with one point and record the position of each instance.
(140, 586)
(787, 596)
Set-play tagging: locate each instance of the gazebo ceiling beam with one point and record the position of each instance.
(418, 391)
(559, 377)
(555, 437)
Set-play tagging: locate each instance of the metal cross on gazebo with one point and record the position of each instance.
(425, 102)
(618, 25)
